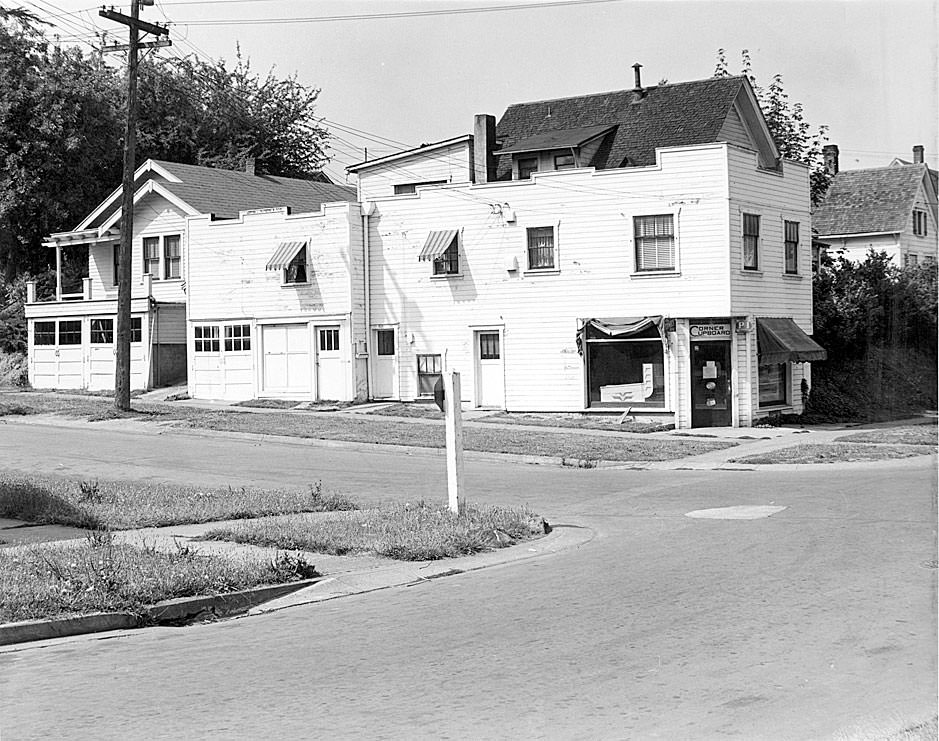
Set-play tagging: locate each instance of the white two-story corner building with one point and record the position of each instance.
(71, 338)
(645, 250)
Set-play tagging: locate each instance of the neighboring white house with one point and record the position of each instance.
(641, 251)
(889, 209)
(71, 338)
(277, 306)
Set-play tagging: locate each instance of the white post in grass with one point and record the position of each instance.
(454, 424)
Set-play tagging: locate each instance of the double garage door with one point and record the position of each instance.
(293, 359)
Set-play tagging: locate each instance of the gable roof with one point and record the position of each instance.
(869, 201)
(678, 114)
(208, 190)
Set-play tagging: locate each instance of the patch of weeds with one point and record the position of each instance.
(268, 403)
(907, 435)
(578, 463)
(119, 505)
(407, 532)
(178, 397)
(834, 453)
(293, 566)
(12, 409)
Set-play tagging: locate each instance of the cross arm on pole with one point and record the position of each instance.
(127, 20)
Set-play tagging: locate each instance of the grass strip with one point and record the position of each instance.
(368, 428)
(406, 532)
(119, 505)
(577, 422)
(908, 435)
(98, 575)
(834, 453)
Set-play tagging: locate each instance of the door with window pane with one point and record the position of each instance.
(57, 354)
(101, 361)
(490, 370)
(385, 364)
(330, 381)
(711, 397)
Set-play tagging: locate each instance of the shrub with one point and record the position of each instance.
(12, 369)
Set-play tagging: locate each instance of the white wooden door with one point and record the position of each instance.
(60, 362)
(287, 360)
(330, 383)
(385, 365)
(490, 373)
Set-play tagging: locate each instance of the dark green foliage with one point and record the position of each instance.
(786, 122)
(878, 323)
(62, 121)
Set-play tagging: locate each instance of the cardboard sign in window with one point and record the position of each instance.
(709, 370)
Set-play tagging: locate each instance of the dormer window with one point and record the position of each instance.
(526, 166)
(564, 162)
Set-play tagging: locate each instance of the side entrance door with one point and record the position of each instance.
(490, 372)
(711, 397)
(385, 365)
(330, 383)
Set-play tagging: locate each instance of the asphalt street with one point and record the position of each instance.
(817, 622)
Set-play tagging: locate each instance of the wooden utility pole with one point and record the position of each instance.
(122, 349)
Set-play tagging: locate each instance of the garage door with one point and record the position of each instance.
(57, 354)
(287, 360)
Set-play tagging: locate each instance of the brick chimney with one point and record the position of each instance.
(249, 165)
(830, 156)
(484, 141)
(918, 154)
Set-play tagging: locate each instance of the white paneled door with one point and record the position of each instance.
(330, 381)
(385, 365)
(490, 371)
(287, 360)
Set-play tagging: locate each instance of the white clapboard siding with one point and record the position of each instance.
(451, 164)
(775, 197)
(592, 213)
(226, 264)
(153, 216)
(169, 324)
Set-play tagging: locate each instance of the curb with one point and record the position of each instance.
(179, 610)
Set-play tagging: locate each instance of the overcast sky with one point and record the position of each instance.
(867, 69)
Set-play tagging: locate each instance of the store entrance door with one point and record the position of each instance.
(711, 397)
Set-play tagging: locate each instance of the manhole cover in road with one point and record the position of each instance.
(740, 512)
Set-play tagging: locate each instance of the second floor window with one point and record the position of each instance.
(172, 257)
(541, 248)
(449, 262)
(151, 256)
(564, 162)
(751, 242)
(655, 242)
(792, 247)
(296, 270)
(919, 222)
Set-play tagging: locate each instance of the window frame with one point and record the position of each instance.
(169, 261)
(408, 189)
(136, 329)
(333, 342)
(437, 361)
(206, 338)
(237, 338)
(151, 262)
(295, 264)
(658, 343)
(920, 222)
(747, 219)
(637, 263)
(531, 233)
(49, 333)
(449, 260)
(72, 334)
(528, 170)
(786, 382)
(104, 329)
(381, 346)
(115, 260)
(572, 165)
(790, 266)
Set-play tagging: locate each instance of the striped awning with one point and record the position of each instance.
(781, 340)
(283, 255)
(437, 243)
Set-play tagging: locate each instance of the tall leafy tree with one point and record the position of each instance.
(795, 137)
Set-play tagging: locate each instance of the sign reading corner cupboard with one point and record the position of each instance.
(710, 331)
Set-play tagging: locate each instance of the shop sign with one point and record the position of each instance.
(710, 331)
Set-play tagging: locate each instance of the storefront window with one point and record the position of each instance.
(626, 373)
(774, 382)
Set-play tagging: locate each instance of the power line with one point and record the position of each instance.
(382, 16)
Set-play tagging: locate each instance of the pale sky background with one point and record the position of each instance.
(867, 69)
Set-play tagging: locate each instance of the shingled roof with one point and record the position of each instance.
(869, 201)
(660, 116)
(224, 193)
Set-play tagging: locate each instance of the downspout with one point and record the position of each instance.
(367, 208)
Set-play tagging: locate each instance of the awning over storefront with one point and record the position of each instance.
(437, 243)
(779, 340)
(283, 255)
(617, 327)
